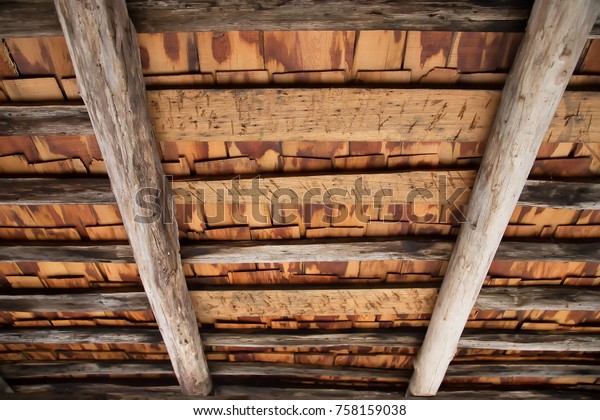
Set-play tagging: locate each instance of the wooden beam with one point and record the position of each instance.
(240, 302)
(57, 370)
(340, 114)
(574, 195)
(555, 37)
(103, 47)
(318, 250)
(108, 391)
(30, 18)
(324, 341)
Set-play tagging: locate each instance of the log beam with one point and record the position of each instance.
(576, 195)
(103, 46)
(243, 302)
(555, 37)
(294, 250)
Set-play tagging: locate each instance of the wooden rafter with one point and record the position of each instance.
(103, 47)
(294, 250)
(323, 341)
(341, 114)
(577, 195)
(235, 302)
(555, 37)
(204, 15)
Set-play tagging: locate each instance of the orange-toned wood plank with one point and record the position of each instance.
(378, 50)
(230, 51)
(36, 90)
(168, 53)
(426, 51)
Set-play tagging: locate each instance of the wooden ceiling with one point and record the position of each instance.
(325, 296)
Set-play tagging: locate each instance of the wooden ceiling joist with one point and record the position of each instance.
(577, 195)
(103, 46)
(340, 114)
(298, 250)
(108, 391)
(555, 37)
(323, 341)
(235, 15)
(295, 373)
(232, 303)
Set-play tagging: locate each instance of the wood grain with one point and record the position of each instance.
(103, 46)
(227, 304)
(332, 114)
(258, 340)
(30, 18)
(555, 37)
(94, 191)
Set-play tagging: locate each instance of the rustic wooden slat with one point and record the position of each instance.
(555, 37)
(29, 18)
(52, 119)
(341, 114)
(318, 250)
(95, 191)
(293, 373)
(322, 301)
(105, 53)
(517, 341)
(107, 391)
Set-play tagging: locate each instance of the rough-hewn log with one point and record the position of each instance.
(277, 251)
(107, 391)
(227, 304)
(16, 120)
(520, 341)
(95, 191)
(103, 46)
(30, 18)
(555, 37)
(338, 114)
(293, 373)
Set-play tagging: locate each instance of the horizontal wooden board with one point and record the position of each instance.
(396, 185)
(323, 301)
(389, 338)
(222, 370)
(300, 250)
(335, 114)
(108, 391)
(29, 18)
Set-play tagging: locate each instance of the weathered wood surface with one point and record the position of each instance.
(96, 191)
(103, 46)
(518, 341)
(278, 251)
(107, 391)
(228, 304)
(52, 119)
(341, 114)
(30, 18)
(43, 191)
(292, 373)
(555, 37)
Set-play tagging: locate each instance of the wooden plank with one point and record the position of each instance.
(340, 114)
(313, 250)
(555, 37)
(101, 31)
(107, 391)
(389, 338)
(293, 373)
(318, 301)
(574, 195)
(27, 18)
(52, 119)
